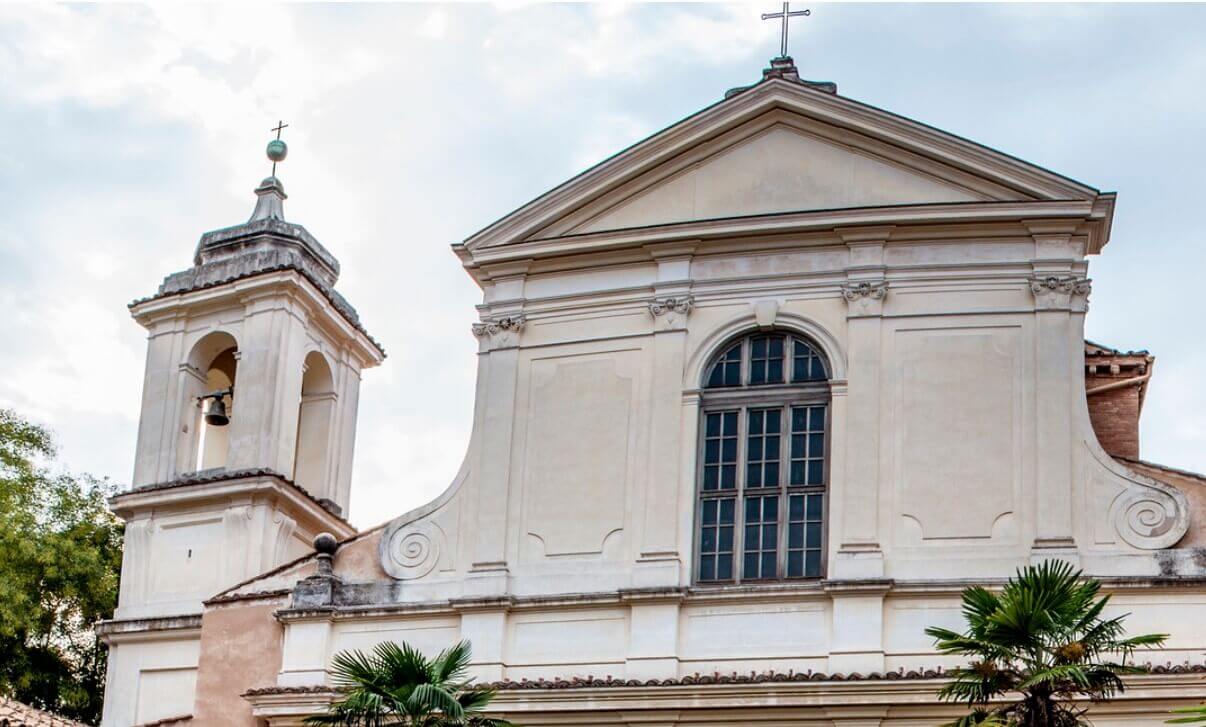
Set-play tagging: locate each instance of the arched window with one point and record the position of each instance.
(212, 366)
(763, 461)
(315, 416)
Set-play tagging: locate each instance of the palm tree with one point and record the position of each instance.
(397, 685)
(1198, 715)
(1042, 639)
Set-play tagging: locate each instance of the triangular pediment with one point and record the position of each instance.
(779, 147)
(781, 169)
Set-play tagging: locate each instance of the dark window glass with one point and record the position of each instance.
(762, 448)
(762, 498)
(761, 537)
(766, 360)
(807, 445)
(804, 523)
(716, 540)
(720, 451)
(806, 364)
(727, 369)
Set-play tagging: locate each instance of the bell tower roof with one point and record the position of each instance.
(265, 243)
(267, 231)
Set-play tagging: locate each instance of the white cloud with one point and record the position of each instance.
(128, 130)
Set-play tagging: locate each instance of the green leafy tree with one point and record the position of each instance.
(60, 555)
(1035, 648)
(397, 685)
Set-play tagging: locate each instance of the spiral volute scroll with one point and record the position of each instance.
(411, 550)
(1148, 519)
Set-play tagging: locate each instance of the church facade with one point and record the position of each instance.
(756, 398)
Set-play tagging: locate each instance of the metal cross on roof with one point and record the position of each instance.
(277, 150)
(786, 15)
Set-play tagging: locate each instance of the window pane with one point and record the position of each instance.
(715, 539)
(812, 564)
(724, 567)
(807, 445)
(804, 535)
(806, 362)
(761, 537)
(727, 369)
(719, 450)
(766, 360)
(762, 448)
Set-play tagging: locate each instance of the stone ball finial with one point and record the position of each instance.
(277, 150)
(325, 544)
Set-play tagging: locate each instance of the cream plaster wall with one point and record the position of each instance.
(960, 445)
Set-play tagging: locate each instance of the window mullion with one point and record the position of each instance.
(784, 479)
(739, 505)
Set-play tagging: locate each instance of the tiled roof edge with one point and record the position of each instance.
(1162, 467)
(716, 678)
(332, 297)
(222, 475)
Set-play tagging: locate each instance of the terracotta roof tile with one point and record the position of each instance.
(591, 682)
(16, 714)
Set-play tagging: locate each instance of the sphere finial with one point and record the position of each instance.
(277, 150)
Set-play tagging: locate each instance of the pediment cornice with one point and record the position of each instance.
(827, 226)
(988, 174)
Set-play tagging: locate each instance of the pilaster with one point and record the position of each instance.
(1060, 294)
(859, 554)
(857, 635)
(498, 335)
(653, 636)
(659, 562)
(486, 629)
(305, 651)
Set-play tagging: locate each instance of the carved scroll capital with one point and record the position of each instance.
(499, 331)
(872, 290)
(865, 297)
(671, 313)
(411, 550)
(1060, 291)
(663, 306)
(499, 324)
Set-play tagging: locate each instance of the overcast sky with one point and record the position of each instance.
(125, 132)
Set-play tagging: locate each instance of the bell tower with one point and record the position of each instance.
(245, 440)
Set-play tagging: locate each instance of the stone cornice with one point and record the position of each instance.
(776, 94)
(148, 629)
(374, 599)
(813, 221)
(168, 300)
(221, 484)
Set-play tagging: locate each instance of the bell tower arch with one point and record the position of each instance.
(245, 440)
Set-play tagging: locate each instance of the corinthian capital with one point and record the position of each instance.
(1060, 291)
(872, 290)
(499, 331)
(662, 306)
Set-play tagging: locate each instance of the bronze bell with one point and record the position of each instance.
(216, 416)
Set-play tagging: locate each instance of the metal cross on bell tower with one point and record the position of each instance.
(277, 151)
(786, 14)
